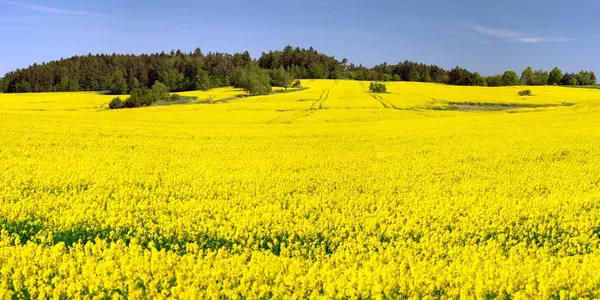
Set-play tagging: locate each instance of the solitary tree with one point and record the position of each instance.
(377, 87)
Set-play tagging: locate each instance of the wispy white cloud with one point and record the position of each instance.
(501, 33)
(49, 9)
(514, 36)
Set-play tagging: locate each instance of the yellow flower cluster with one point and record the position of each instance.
(328, 192)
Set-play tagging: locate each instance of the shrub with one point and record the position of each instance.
(525, 93)
(297, 84)
(377, 87)
(176, 97)
(115, 103)
(131, 102)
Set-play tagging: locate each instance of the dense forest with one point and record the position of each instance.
(179, 71)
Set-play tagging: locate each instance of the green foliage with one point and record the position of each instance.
(117, 84)
(510, 78)
(202, 81)
(281, 78)
(539, 77)
(460, 76)
(297, 84)
(23, 87)
(173, 79)
(134, 83)
(116, 103)
(141, 97)
(63, 86)
(572, 81)
(527, 76)
(425, 77)
(555, 76)
(525, 93)
(253, 80)
(478, 80)
(495, 80)
(3, 85)
(160, 92)
(377, 87)
(318, 71)
(586, 78)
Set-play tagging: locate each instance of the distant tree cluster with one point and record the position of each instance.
(142, 96)
(556, 77)
(121, 74)
(253, 79)
(179, 71)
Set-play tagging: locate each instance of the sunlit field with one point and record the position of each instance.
(427, 191)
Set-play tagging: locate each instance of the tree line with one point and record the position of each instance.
(179, 71)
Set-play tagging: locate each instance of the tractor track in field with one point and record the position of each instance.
(324, 95)
(316, 104)
(364, 86)
(324, 99)
(385, 103)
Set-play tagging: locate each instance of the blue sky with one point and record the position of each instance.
(485, 36)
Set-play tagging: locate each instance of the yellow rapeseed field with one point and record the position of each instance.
(427, 191)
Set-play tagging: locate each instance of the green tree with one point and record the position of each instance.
(253, 79)
(203, 81)
(3, 85)
(510, 78)
(526, 76)
(460, 76)
(586, 78)
(555, 76)
(425, 77)
(539, 77)
(478, 80)
(281, 78)
(117, 84)
(140, 97)
(173, 79)
(160, 91)
(134, 83)
(573, 81)
(74, 85)
(495, 80)
(63, 86)
(23, 86)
